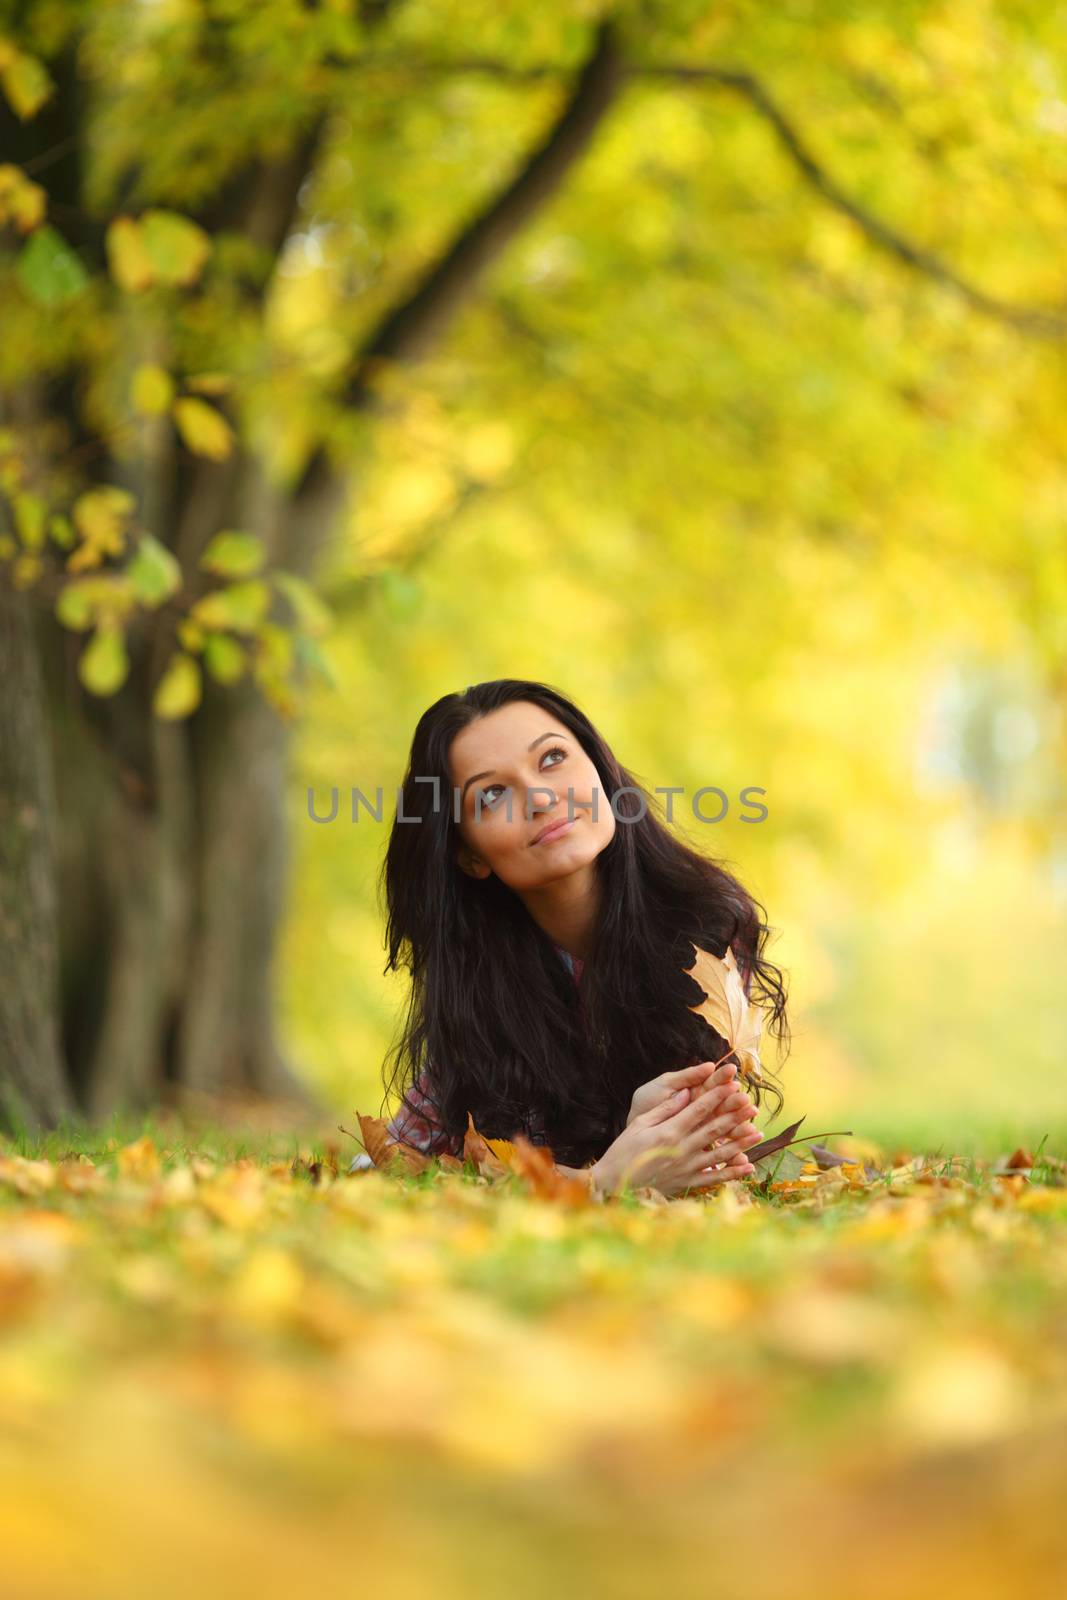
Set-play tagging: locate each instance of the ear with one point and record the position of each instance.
(471, 863)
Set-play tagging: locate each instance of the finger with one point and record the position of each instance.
(670, 1107)
(696, 1073)
(728, 1174)
(744, 1133)
(727, 1126)
(699, 1110)
(714, 1101)
(741, 1110)
(710, 1073)
(717, 1101)
(709, 1180)
(732, 1147)
(735, 1165)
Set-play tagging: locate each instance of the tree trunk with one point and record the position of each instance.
(240, 749)
(33, 1088)
(226, 1037)
(171, 872)
(172, 839)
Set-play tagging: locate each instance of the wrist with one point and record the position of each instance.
(600, 1178)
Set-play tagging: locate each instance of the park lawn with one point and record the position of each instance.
(227, 1366)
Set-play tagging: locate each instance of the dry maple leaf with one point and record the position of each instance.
(536, 1164)
(477, 1149)
(383, 1149)
(726, 1007)
(504, 1151)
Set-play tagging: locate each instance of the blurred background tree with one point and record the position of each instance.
(706, 362)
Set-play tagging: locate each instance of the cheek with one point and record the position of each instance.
(605, 825)
(495, 838)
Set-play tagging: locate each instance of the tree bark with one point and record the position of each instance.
(172, 857)
(33, 1088)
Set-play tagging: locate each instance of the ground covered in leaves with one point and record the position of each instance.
(231, 1369)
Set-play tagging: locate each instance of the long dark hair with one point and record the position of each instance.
(492, 1014)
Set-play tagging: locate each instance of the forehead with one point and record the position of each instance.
(500, 737)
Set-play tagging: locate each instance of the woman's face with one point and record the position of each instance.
(520, 770)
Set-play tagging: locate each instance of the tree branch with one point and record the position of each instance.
(1040, 321)
(1045, 322)
(261, 200)
(407, 331)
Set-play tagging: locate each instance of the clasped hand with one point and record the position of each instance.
(675, 1142)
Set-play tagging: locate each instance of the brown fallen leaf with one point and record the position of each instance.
(504, 1151)
(384, 1150)
(828, 1158)
(536, 1164)
(779, 1142)
(478, 1150)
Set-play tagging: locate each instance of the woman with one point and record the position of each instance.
(546, 916)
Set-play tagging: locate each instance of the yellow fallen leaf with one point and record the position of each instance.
(39, 1241)
(727, 1009)
(26, 1177)
(139, 1160)
(961, 1391)
(235, 1197)
(477, 1149)
(268, 1285)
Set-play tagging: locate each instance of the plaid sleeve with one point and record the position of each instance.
(417, 1122)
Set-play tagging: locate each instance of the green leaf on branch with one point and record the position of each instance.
(154, 572)
(104, 599)
(203, 429)
(224, 658)
(159, 247)
(74, 608)
(104, 664)
(233, 555)
(178, 691)
(175, 245)
(48, 270)
(60, 531)
(25, 81)
(29, 520)
(128, 259)
(22, 202)
(240, 606)
(100, 516)
(311, 613)
(152, 390)
(191, 634)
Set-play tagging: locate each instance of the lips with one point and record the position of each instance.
(554, 830)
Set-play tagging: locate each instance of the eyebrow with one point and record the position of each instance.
(541, 737)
